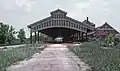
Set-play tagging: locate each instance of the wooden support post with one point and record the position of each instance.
(73, 38)
(38, 36)
(31, 36)
(35, 37)
(82, 35)
(86, 36)
(79, 36)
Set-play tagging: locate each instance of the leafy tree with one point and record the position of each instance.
(10, 35)
(6, 34)
(109, 39)
(3, 32)
(21, 35)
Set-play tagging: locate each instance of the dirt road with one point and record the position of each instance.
(56, 57)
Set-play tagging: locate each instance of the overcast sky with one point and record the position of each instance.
(20, 13)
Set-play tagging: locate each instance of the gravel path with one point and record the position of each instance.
(56, 57)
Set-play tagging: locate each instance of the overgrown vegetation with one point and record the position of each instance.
(110, 41)
(7, 35)
(21, 36)
(100, 59)
(11, 56)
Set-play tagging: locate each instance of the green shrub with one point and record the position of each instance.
(11, 56)
(102, 59)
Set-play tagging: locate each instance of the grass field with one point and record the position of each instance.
(11, 56)
(91, 53)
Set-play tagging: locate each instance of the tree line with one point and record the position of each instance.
(7, 34)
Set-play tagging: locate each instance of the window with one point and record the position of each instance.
(56, 16)
(77, 26)
(44, 24)
(47, 24)
(35, 28)
(60, 16)
(50, 23)
(74, 25)
(39, 26)
(58, 22)
(53, 22)
(61, 21)
(69, 23)
(66, 22)
(82, 28)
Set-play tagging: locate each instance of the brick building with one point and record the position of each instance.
(105, 30)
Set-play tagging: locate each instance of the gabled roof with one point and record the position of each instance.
(76, 21)
(107, 26)
(58, 10)
(29, 26)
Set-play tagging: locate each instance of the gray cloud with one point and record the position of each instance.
(20, 13)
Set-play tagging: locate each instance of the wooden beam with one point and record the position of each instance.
(30, 36)
(38, 36)
(35, 37)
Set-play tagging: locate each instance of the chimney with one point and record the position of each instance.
(87, 18)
